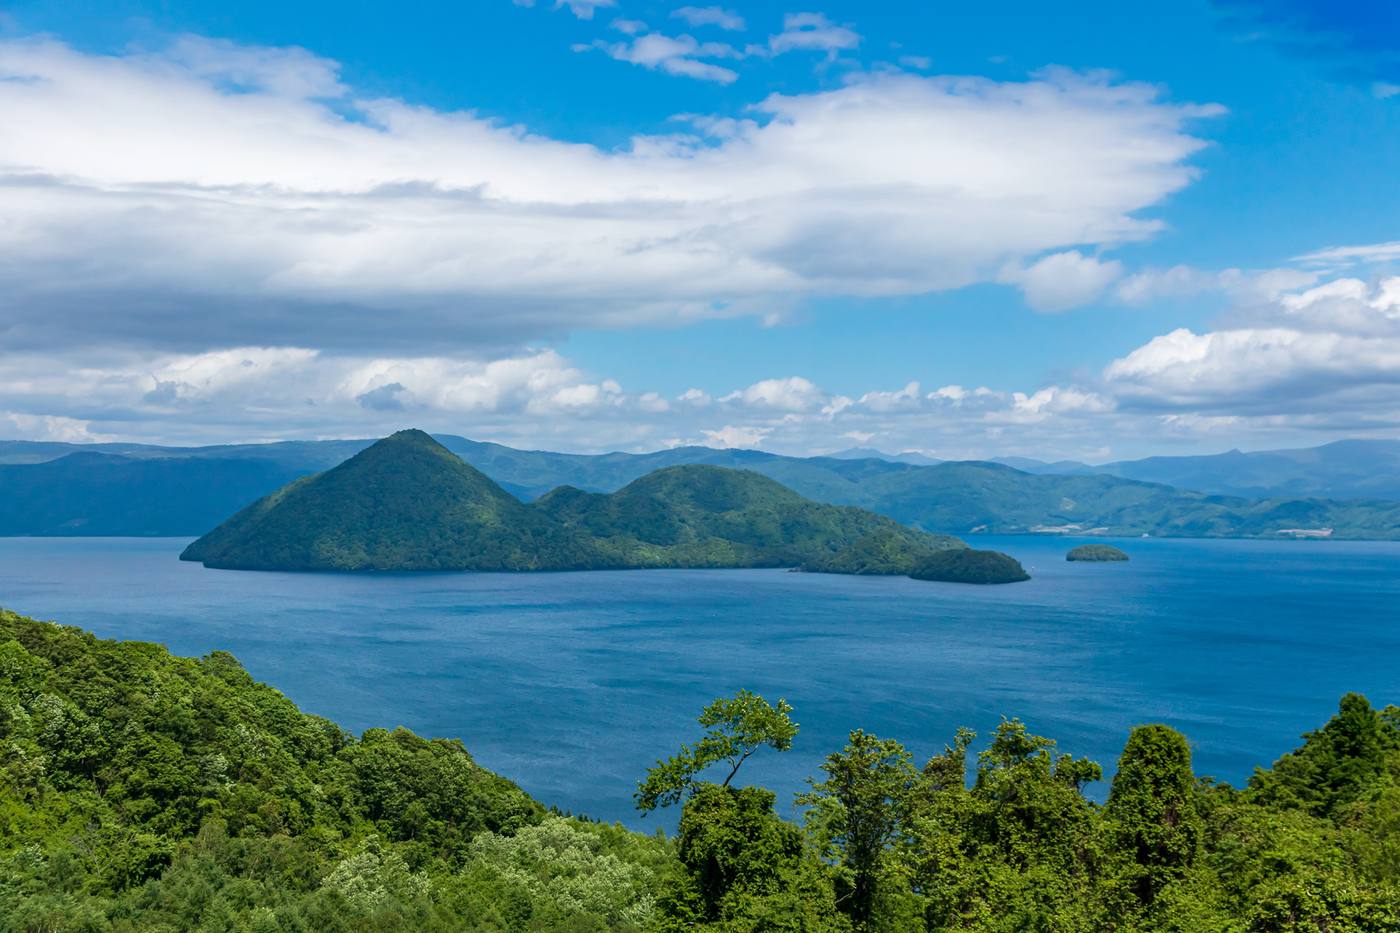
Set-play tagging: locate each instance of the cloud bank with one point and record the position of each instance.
(213, 195)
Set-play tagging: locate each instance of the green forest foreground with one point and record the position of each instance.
(141, 791)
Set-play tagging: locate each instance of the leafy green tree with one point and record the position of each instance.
(859, 811)
(735, 728)
(1336, 763)
(1152, 811)
(1033, 808)
(745, 867)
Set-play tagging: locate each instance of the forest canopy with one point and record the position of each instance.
(143, 791)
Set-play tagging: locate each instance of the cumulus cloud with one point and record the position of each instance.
(901, 399)
(711, 16)
(791, 394)
(676, 55)
(48, 428)
(1054, 400)
(538, 399)
(213, 195)
(1181, 281)
(1331, 348)
(583, 9)
(812, 32)
(736, 436)
(1064, 280)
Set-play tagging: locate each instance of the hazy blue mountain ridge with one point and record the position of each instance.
(186, 491)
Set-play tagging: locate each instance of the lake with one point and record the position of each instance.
(572, 684)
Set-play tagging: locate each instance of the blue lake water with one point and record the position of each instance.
(572, 684)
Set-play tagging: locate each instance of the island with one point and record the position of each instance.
(406, 503)
(965, 565)
(1096, 553)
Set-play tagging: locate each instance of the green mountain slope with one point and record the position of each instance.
(704, 516)
(407, 503)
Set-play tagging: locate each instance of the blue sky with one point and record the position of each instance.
(1092, 233)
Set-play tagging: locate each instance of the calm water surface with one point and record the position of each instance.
(572, 684)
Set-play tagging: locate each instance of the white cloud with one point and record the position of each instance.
(736, 436)
(1384, 90)
(653, 402)
(1064, 280)
(676, 55)
(695, 397)
(219, 177)
(1258, 368)
(584, 9)
(1182, 281)
(791, 394)
(1342, 256)
(917, 62)
(1054, 400)
(812, 32)
(905, 398)
(711, 16)
(48, 428)
(1332, 348)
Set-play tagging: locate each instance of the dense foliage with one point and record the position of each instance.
(407, 503)
(1312, 845)
(959, 498)
(1094, 553)
(140, 791)
(969, 566)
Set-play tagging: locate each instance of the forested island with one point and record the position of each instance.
(408, 503)
(143, 791)
(965, 565)
(1096, 553)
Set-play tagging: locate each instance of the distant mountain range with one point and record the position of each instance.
(408, 503)
(1350, 489)
(1356, 469)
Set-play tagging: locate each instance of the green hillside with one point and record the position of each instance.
(145, 792)
(703, 516)
(407, 503)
